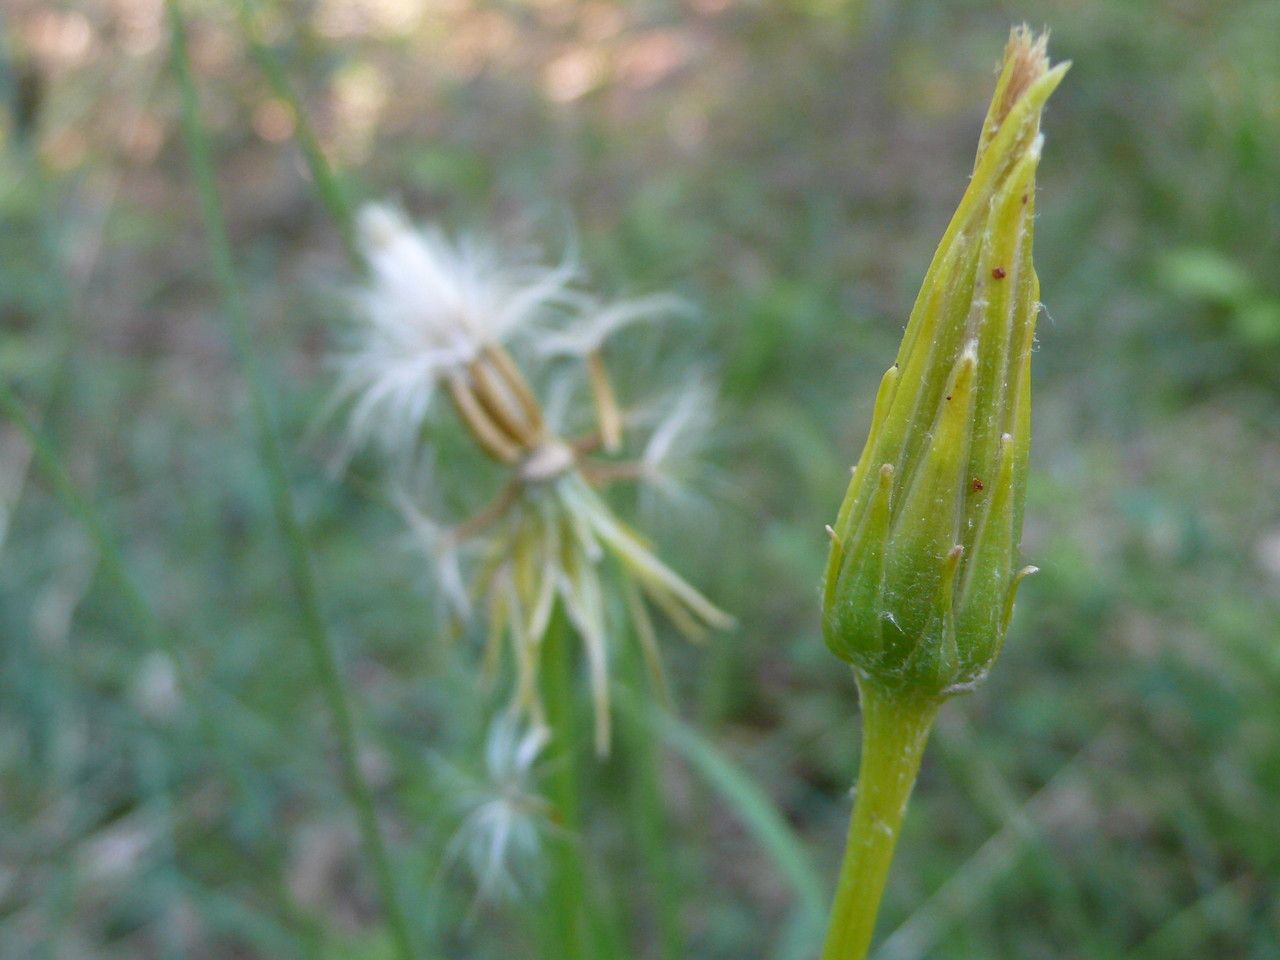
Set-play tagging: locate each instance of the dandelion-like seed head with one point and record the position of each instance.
(430, 307)
(436, 315)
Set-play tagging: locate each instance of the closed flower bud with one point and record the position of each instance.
(924, 563)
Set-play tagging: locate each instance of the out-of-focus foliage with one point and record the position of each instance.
(786, 167)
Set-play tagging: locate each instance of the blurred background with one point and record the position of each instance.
(787, 168)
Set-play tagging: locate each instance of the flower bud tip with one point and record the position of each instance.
(921, 575)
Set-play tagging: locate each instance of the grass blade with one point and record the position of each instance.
(327, 183)
(751, 806)
(301, 573)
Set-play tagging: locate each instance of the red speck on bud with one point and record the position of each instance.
(998, 273)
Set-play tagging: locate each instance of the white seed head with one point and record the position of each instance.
(428, 307)
(435, 310)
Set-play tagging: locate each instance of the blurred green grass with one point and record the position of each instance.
(788, 168)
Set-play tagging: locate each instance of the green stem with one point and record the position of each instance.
(648, 813)
(894, 731)
(65, 488)
(327, 183)
(324, 659)
(566, 928)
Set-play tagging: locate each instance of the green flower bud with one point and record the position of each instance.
(924, 552)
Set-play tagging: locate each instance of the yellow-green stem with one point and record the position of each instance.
(894, 731)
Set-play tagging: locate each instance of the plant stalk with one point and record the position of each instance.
(306, 594)
(652, 830)
(330, 188)
(565, 933)
(895, 728)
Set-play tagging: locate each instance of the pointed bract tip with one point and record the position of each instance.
(1027, 58)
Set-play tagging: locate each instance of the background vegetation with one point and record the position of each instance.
(787, 167)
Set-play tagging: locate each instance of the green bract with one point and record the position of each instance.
(923, 567)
